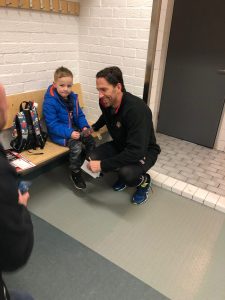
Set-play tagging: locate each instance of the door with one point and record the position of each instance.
(194, 83)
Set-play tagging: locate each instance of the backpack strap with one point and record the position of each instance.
(20, 132)
(40, 136)
(22, 124)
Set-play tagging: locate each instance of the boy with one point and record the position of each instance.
(65, 122)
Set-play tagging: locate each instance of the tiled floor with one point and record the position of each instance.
(194, 171)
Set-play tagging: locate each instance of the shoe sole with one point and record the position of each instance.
(79, 188)
(143, 202)
(120, 190)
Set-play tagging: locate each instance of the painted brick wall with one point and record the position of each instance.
(108, 32)
(113, 32)
(220, 140)
(33, 45)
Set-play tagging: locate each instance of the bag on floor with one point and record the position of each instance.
(27, 131)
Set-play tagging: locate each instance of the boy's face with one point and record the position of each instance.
(63, 86)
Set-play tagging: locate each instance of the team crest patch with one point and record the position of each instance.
(118, 124)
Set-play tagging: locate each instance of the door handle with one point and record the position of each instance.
(221, 71)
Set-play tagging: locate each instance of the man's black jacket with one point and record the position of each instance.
(132, 131)
(16, 229)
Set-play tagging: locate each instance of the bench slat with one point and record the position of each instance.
(51, 151)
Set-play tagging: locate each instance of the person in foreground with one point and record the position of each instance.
(133, 149)
(66, 123)
(16, 229)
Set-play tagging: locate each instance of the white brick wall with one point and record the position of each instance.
(160, 57)
(220, 140)
(33, 45)
(108, 32)
(113, 32)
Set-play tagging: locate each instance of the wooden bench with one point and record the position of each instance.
(51, 151)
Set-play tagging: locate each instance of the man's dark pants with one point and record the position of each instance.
(132, 174)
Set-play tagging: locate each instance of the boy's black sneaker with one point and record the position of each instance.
(78, 180)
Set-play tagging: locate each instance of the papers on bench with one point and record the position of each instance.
(18, 161)
(86, 170)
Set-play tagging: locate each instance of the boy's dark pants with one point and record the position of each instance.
(79, 150)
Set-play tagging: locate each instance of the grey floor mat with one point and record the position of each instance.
(62, 268)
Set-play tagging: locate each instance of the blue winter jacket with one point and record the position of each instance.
(57, 117)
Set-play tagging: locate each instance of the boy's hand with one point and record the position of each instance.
(75, 135)
(23, 199)
(94, 166)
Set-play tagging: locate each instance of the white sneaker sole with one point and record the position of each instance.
(77, 187)
(143, 202)
(120, 189)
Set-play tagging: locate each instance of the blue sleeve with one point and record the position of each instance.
(80, 119)
(54, 126)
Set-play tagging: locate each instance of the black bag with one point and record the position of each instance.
(27, 131)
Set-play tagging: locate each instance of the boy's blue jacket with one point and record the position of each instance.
(57, 117)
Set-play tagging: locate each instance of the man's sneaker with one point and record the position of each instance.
(78, 180)
(141, 194)
(119, 186)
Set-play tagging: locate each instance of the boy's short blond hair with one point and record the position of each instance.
(62, 72)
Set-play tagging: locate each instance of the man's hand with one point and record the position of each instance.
(94, 166)
(23, 199)
(86, 132)
(75, 135)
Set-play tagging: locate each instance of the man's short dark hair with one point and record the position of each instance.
(113, 75)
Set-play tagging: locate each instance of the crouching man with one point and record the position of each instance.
(133, 149)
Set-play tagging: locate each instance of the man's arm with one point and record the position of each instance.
(99, 123)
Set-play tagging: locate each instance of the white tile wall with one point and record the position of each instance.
(189, 191)
(169, 183)
(178, 187)
(200, 195)
(211, 200)
(220, 205)
(33, 45)
(220, 140)
(160, 179)
(108, 32)
(113, 33)
(160, 59)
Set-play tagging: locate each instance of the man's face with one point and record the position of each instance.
(108, 94)
(64, 86)
(3, 107)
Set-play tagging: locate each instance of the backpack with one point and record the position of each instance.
(27, 131)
